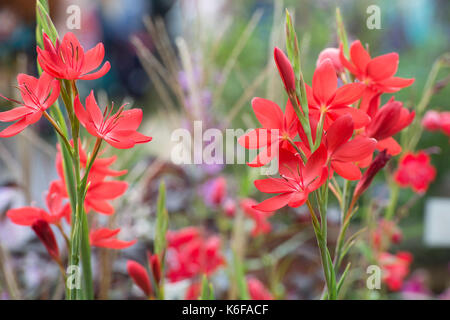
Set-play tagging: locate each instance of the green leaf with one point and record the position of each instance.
(342, 33)
(207, 289)
(239, 274)
(342, 279)
(162, 221)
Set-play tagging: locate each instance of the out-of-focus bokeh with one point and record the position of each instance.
(185, 60)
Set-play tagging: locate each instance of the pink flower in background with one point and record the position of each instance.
(261, 224)
(193, 291)
(434, 120)
(68, 60)
(431, 120)
(257, 290)
(333, 55)
(395, 268)
(415, 171)
(190, 253)
(387, 232)
(37, 95)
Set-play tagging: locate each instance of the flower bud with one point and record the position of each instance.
(377, 164)
(140, 277)
(333, 55)
(431, 121)
(285, 69)
(229, 207)
(155, 265)
(47, 237)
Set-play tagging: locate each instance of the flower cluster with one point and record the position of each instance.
(416, 171)
(434, 121)
(63, 63)
(347, 124)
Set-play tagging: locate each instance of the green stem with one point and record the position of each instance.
(390, 211)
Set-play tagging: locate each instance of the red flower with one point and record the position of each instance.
(193, 291)
(190, 254)
(296, 182)
(257, 290)
(100, 190)
(415, 170)
(27, 216)
(277, 129)
(333, 55)
(285, 69)
(386, 232)
(261, 225)
(376, 74)
(69, 61)
(119, 130)
(140, 276)
(47, 237)
(388, 121)
(325, 97)
(375, 166)
(395, 268)
(37, 95)
(343, 152)
(104, 238)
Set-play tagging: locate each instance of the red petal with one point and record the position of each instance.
(348, 94)
(14, 129)
(339, 132)
(383, 67)
(255, 139)
(298, 199)
(346, 170)
(93, 110)
(93, 58)
(14, 114)
(268, 113)
(25, 216)
(360, 57)
(274, 203)
(324, 82)
(360, 118)
(396, 82)
(392, 146)
(98, 74)
(355, 150)
(80, 112)
(315, 164)
(108, 189)
(129, 120)
(272, 185)
(140, 276)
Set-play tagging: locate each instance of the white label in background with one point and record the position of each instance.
(437, 222)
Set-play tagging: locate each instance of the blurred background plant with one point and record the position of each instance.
(204, 60)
